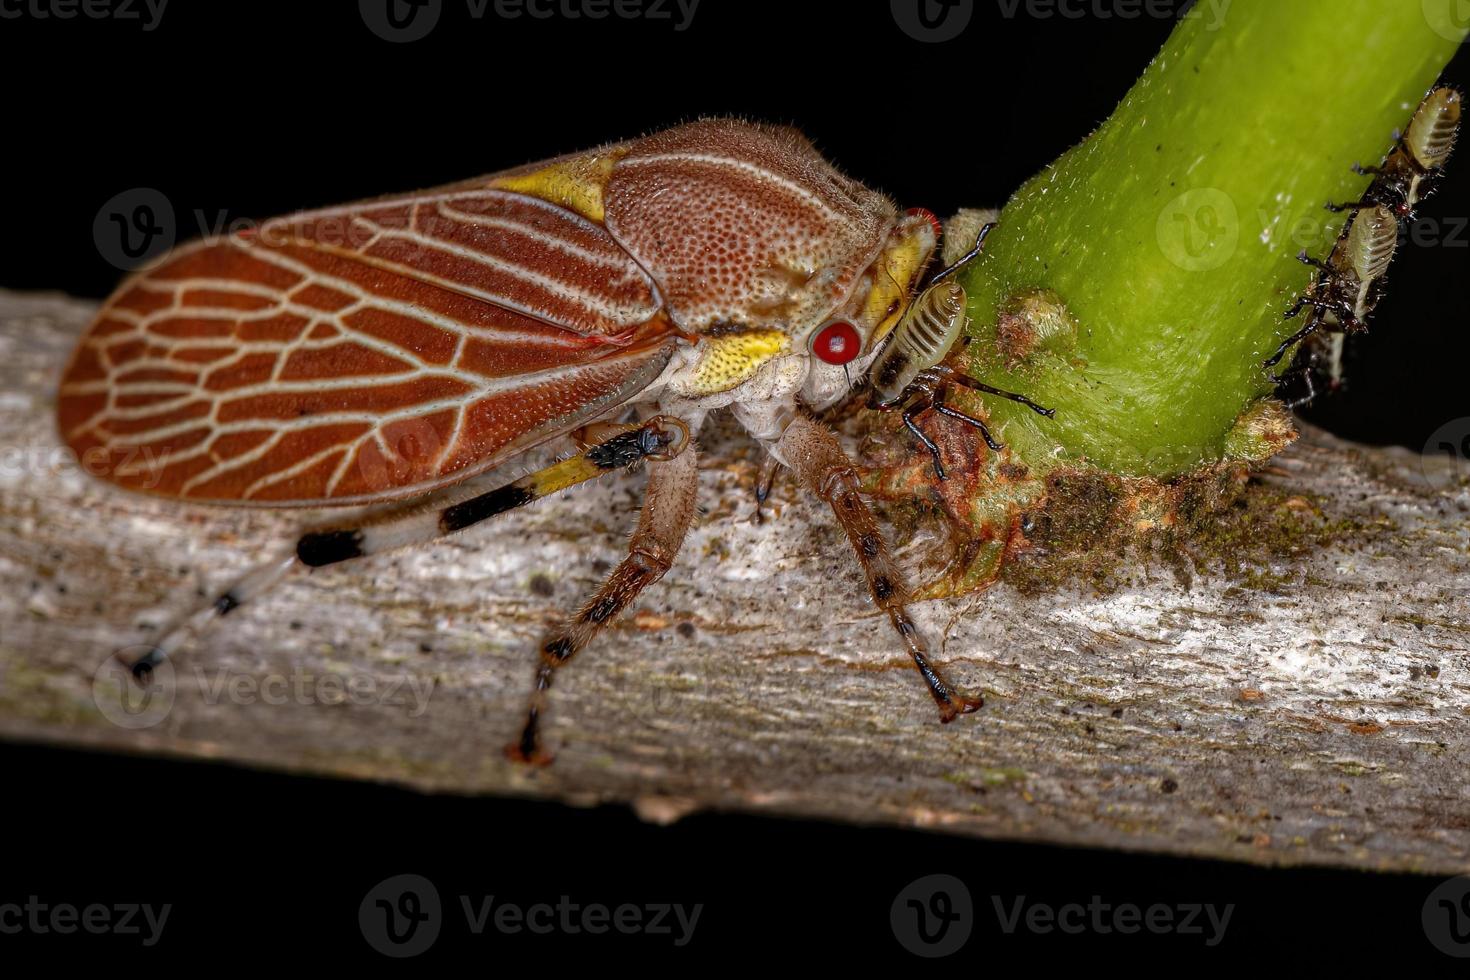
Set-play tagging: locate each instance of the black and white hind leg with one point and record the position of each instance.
(659, 438)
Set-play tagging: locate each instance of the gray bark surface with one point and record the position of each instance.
(1320, 713)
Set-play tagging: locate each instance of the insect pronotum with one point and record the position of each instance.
(377, 352)
(1349, 282)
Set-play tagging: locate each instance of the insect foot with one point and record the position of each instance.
(668, 510)
(821, 467)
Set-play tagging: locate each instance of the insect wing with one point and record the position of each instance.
(367, 352)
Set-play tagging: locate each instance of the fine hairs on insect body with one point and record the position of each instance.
(377, 353)
(1349, 283)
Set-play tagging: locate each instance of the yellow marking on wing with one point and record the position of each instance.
(574, 184)
(732, 359)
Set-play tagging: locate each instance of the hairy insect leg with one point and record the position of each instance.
(1311, 394)
(1316, 263)
(1305, 371)
(668, 510)
(968, 257)
(822, 467)
(397, 527)
(911, 413)
(245, 589)
(930, 389)
(964, 380)
(1309, 328)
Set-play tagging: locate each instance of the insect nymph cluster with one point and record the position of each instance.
(1349, 281)
(600, 305)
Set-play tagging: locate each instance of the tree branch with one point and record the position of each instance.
(1313, 708)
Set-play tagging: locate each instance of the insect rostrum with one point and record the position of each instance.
(378, 352)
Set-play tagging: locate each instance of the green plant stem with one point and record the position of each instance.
(1172, 233)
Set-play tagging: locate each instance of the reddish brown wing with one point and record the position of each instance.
(367, 352)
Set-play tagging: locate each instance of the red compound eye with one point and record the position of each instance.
(837, 342)
(929, 215)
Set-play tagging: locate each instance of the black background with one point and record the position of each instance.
(251, 109)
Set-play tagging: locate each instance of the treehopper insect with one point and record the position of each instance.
(377, 352)
(1349, 282)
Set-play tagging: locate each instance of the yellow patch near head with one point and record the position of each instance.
(731, 359)
(893, 278)
(575, 184)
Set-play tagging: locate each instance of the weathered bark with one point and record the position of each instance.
(1316, 709)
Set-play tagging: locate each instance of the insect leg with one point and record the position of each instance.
(668, 510)
(823, 468)
(943, 409)
(1294, 339)
(968, 256)
(909, 414)
(1307, 371)
(396, 527)
(1315, 263)
(954, 377)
